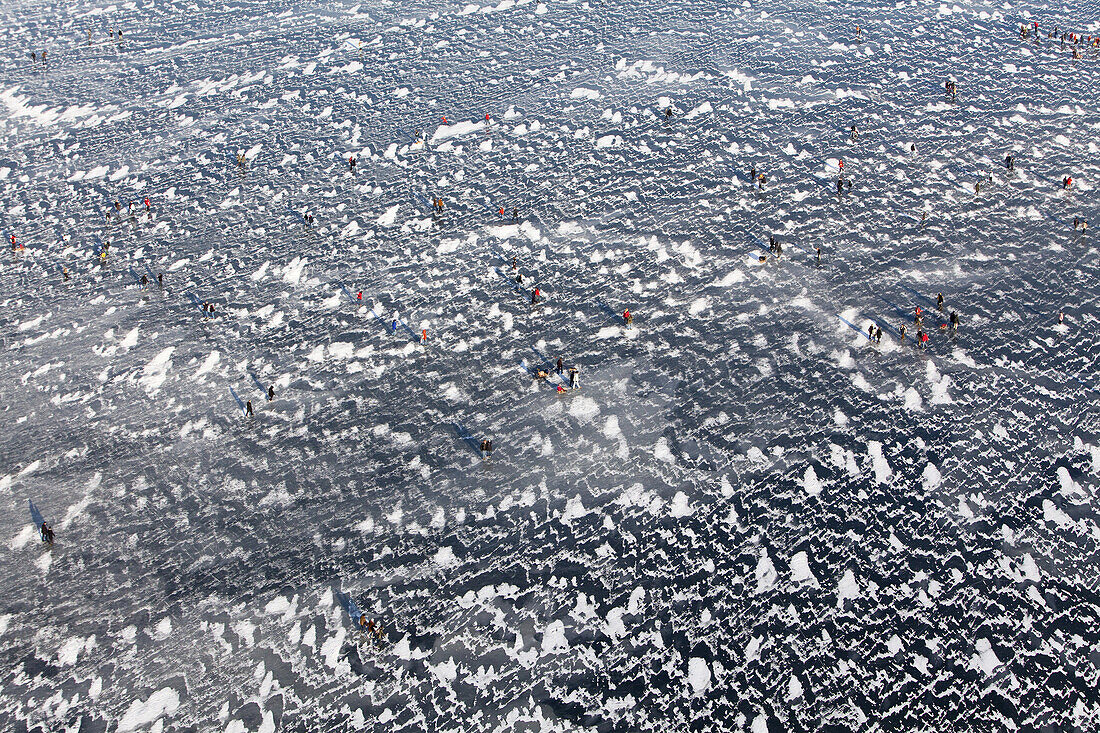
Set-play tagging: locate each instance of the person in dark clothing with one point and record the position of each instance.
(270, 392)
(954, 318)
(144, 281)
(573, 378)
(1009, 163)
(515, 213)
(248, 408)
(939, 302)
(160, 279)
(560, 365)
(878, 334)
(668, 113)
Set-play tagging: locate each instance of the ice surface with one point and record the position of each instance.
(669, 517)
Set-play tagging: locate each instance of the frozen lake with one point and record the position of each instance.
(749, 516)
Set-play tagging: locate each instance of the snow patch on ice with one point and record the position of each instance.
(142, 713)
(698, 675)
